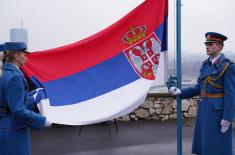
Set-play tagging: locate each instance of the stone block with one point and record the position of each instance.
(142, 113)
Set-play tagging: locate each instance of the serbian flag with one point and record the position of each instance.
(106, 75)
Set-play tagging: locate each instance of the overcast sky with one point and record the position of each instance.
(53, 23)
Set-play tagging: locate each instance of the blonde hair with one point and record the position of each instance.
(8, 56)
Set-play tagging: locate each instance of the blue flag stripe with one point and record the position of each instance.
(100, 79)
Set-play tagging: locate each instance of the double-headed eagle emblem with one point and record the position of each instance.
(144, 56)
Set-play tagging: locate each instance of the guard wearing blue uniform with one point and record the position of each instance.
(216, 107)
(16, 106)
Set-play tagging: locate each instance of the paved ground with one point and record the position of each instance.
(134, 138)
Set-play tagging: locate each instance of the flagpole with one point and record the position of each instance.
(178, 50)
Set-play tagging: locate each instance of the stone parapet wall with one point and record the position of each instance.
(162, 107)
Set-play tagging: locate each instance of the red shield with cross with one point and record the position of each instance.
(144, 56)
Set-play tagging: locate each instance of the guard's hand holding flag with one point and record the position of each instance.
(174, 91)
(38, 96)
(47, 123)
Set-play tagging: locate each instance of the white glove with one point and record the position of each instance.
(47, 123)
(174, 91)
(224, 125)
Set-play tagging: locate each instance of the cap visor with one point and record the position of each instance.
(210, 41)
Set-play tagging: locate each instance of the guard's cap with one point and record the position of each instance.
(15, 46)
(213, 37)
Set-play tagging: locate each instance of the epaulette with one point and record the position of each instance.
(229, 61)
(205, 61)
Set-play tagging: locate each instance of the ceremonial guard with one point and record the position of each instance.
(16, 107)
(216, 106)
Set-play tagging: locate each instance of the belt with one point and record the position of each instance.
(4, 111)
(210, 95)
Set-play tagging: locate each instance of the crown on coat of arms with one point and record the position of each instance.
(135, 34)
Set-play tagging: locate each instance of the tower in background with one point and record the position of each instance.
(19, 34)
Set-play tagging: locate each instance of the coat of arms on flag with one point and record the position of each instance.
(143, 54)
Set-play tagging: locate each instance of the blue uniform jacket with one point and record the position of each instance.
(16, 122)
(208, 139)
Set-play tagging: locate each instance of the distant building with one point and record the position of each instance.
(19, 35)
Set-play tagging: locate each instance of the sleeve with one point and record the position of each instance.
(229, 93)
(15, 96)
(30, 102)
(191, 91)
